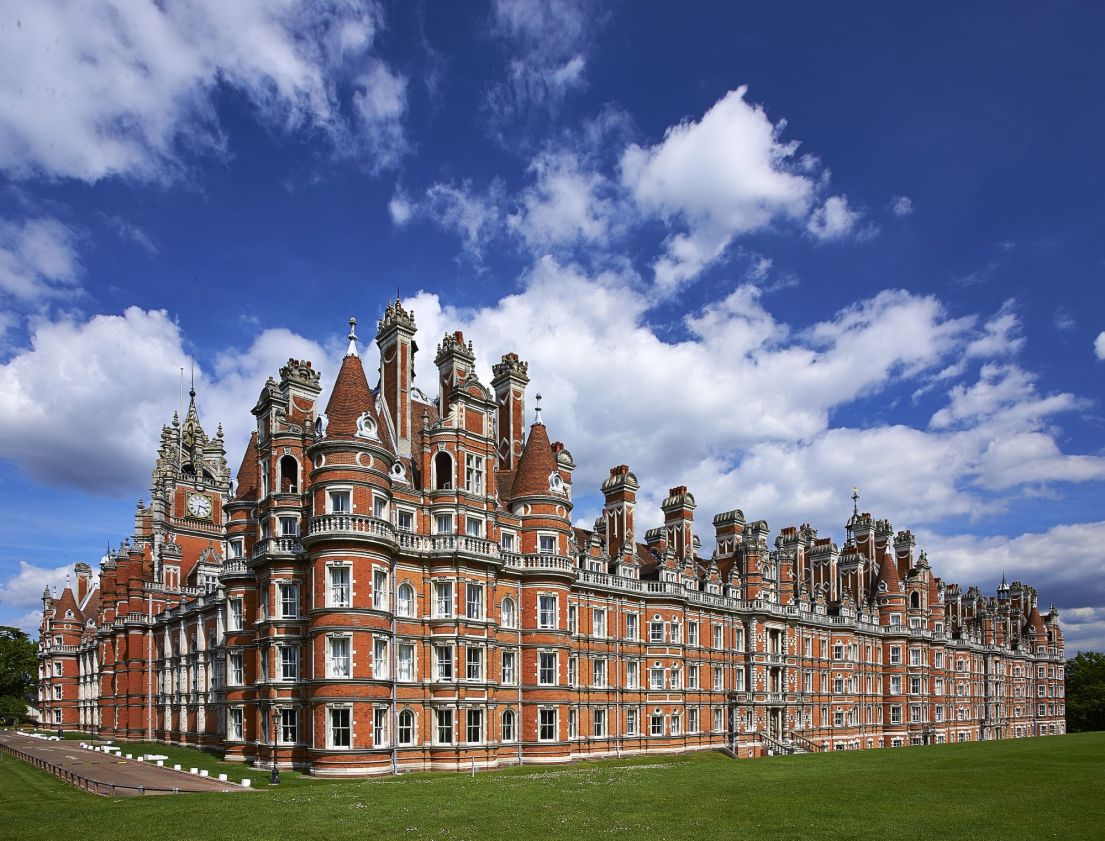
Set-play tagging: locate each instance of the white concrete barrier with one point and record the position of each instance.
(160, 763)
(176, 767)
(222, 778)
(203, 773)
(193, 771)
(130, 756)
(246, 783)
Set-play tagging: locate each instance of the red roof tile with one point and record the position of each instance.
(350, 399)
(67, 602)
(535, 466)
(888, 574)
(247, 473)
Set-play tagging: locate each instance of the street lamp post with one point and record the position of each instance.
(275, 769)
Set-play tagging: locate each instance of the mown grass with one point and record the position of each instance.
(1050, 787)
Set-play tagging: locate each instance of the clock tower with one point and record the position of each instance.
(191, 483)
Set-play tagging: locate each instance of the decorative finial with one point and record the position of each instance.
(855, 502)
(352, 351)
(537, 410)
(192, 387)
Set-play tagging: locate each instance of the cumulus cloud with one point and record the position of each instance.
(727, 174)
(24, 589)
(833, 220)
(84, 404)
(1063, 562)
(616, 389)
(38, 259)
(567, 203)
(126, 88)
(1099, 345)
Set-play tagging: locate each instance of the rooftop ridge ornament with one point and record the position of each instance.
(855, 502)
(352, 349)
(537, 410)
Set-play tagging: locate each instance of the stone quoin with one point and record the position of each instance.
(393, 583)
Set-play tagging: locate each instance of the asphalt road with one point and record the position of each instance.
(108, 770)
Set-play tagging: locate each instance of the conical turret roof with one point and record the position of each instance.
(350, 399)
(248, 480)
(535, 465)
(888, 574)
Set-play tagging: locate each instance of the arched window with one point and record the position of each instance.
(406, 727)
(289, 475)
(508, 614)
(507, 733)
(406, 599)
(443, 470)
(915, 601)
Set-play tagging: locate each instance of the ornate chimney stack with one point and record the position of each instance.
(395, 339)
(509, 380)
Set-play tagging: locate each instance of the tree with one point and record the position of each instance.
(1086, 692)
(18, 670)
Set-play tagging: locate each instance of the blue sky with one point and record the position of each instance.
(768, 250)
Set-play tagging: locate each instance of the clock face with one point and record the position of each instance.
(199, 505)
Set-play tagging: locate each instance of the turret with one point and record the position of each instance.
(509, 380)
(456, 362)
(395, 338)
(678, 511)
(620, 493)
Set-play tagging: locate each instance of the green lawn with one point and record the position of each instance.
(1030, 789)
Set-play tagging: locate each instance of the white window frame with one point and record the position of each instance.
(347, 710)
(343, 493)
(332, 658)
(331, 600)
(443, 607)
(406, 608)
(544, 714)
(380, 591)
(543, 613)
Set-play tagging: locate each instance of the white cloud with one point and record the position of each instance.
(1064, 563)
(566, 204)
(1099, 345)
(727, 174)
(1002, 335)
(616, 390)
(901, 206)
(84, 404)
(126, 88)
(476, 217)
(23, 590)
(833, 219)
(38, 260)
(547, 43)
(400, 209)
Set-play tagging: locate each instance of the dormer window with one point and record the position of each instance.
(366, 427)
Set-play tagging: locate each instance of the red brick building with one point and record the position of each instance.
(394, 583)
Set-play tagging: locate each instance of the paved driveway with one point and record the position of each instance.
(110, 774)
